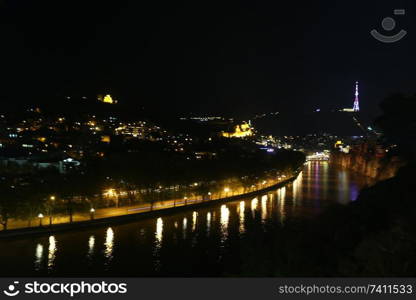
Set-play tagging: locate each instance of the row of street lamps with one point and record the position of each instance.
(92, 210)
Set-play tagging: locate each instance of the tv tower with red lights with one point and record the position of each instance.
(356, 106)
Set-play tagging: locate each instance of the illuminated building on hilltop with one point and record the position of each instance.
(106, 99)
(240, 131)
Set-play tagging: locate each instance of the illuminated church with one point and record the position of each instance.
(106, 99)
(240, 131)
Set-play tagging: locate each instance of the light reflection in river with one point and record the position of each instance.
(281, 198)
(51, 252)
(254, 203)
(194, 220)
(343, 187)
(38, 256)
(109, 245)
(208, 222)
(158, 243)
(241, 209)
(91, 243)
(225, 214)
(159, 230)
(325, 181)
(184, 227)
(297, 190)
(263, 208)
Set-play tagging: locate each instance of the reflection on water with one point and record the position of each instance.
(194, 219)
(325, 181)
(297, 190)
(184, 226)
(158, 243)
(225, 232)
(109, 245)
(254, 203)
(225, 214)
(241, 208)
(343, 187)
(91, 243)
(51, 252)
(355, 190)
(38, 256)
(263, 207)
(281, 200)
(159, 230)
(208, 222)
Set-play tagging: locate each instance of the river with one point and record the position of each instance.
(219, 240)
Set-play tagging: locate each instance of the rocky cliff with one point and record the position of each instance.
(369, 160)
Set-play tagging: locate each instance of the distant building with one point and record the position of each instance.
(106, 99)
(240, 131)
(62, 163)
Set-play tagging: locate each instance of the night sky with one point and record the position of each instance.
(203, 56)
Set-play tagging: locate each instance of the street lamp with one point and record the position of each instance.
(52, 199)
(40, 216)
(185, 198)
(226, 190)
(92, 212)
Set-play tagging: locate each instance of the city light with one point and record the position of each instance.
(110, 193)
(40, 216)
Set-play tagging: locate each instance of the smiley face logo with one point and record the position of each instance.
(389, 24)
(11, 290)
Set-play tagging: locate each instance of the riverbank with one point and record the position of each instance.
(137, 213)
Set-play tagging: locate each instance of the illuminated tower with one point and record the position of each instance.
(356, 101)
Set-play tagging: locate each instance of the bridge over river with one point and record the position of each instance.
(318, 156)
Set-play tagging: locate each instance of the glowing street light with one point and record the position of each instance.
(226, 190)
(92, 212)
(40, 216)
(185, 198)
(110, 193)
(52, 198)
